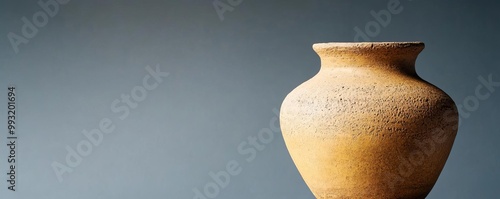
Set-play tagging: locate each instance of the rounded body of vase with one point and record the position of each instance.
(366, 125)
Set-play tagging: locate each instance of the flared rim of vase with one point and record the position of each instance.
(368, 45)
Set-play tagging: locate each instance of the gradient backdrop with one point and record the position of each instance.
(226, 74)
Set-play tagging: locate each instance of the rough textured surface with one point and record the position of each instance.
(366, 126)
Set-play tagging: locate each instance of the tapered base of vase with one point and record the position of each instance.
(367, 193)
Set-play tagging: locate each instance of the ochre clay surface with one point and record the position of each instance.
(367, 126)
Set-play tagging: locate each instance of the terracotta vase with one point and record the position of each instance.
(366, 125)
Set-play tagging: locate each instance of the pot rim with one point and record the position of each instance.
(361, 45)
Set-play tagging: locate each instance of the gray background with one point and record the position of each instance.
(225, 79)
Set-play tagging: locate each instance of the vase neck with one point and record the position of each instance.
(393, 56)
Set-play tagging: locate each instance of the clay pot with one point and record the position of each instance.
(366, 125)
